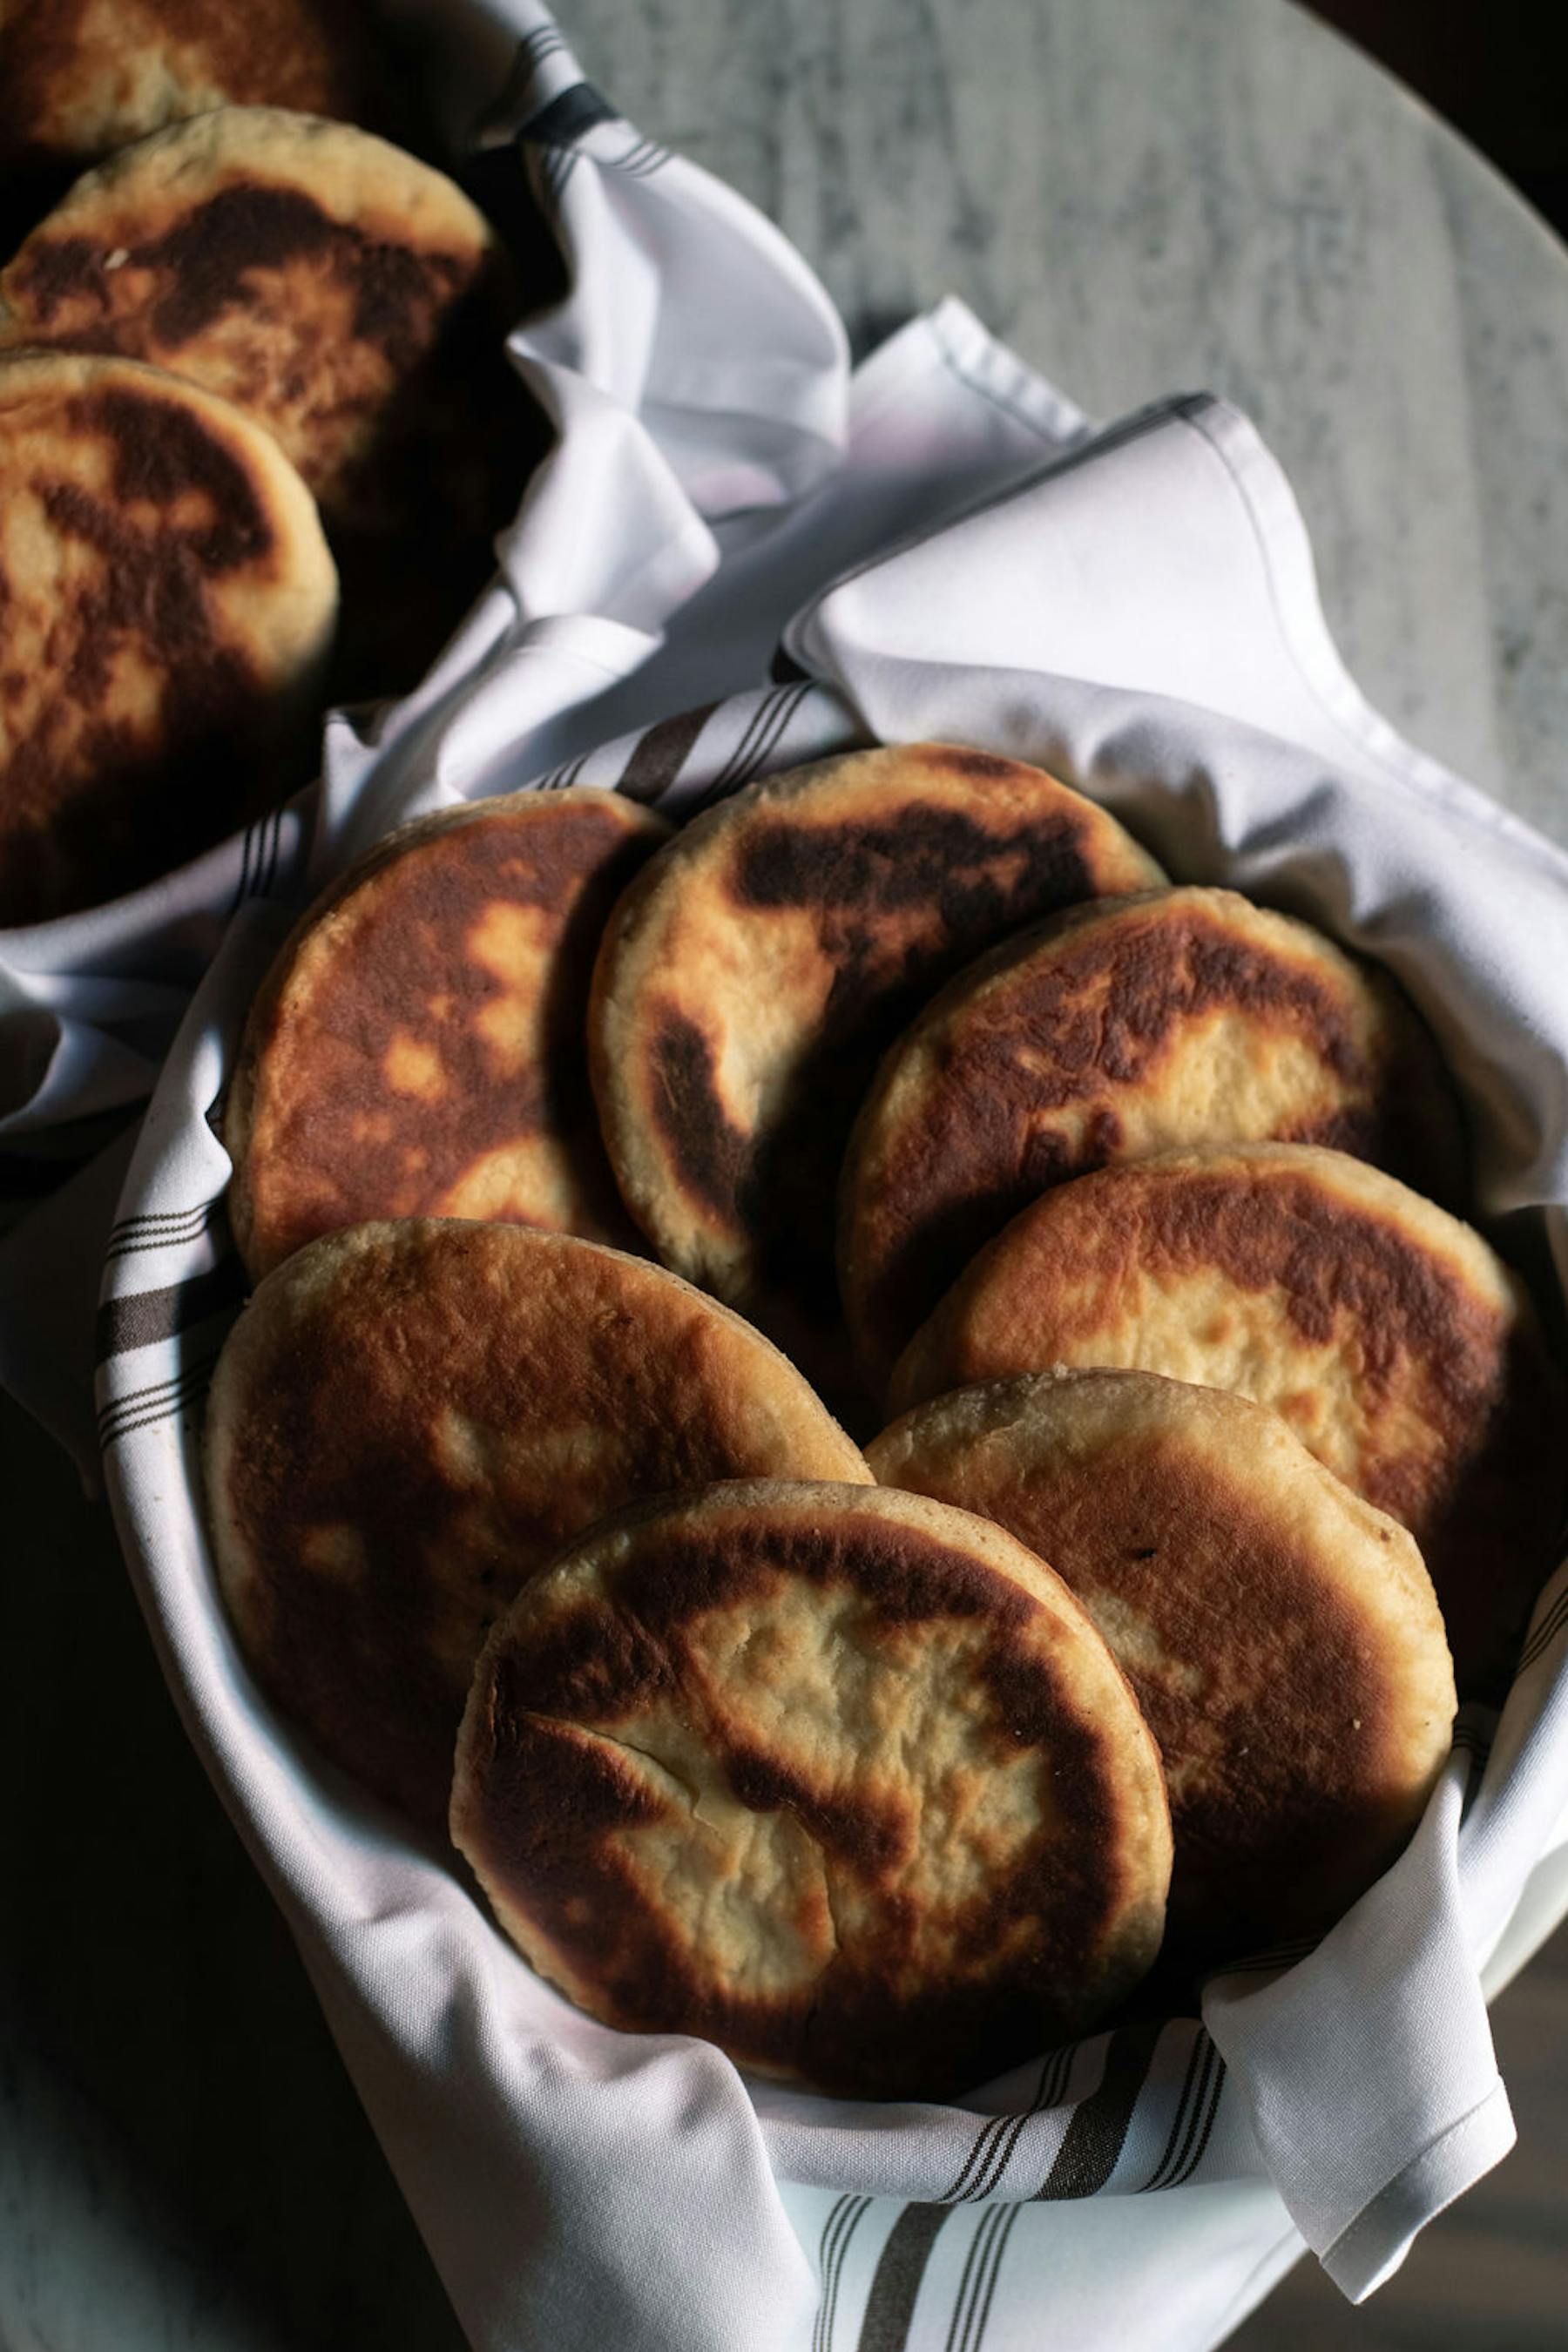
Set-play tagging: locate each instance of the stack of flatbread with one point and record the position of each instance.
(887, 1418)
(257, 427)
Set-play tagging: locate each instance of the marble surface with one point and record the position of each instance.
(1157, 195)
(1143, 195)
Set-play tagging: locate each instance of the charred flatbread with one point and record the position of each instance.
(83, 77)
(346, 296)
(166, 614)
(1388, 1336)
(410, 1419)
(761, 964)
(1282, 1635)
(839, 1778)
(418, 1047)
(1187, 1016)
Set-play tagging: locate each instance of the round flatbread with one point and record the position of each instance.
(85, 77)
(168, 608)
(1188, 1016)
(345, 296)
(417, 1048)
(408, 1420)
(751, 977)
(1282, 1635)
(305, 269)
(1390, 1337)
(840, 1779)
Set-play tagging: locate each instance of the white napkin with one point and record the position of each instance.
(584, 2187)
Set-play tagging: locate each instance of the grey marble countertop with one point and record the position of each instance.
(1143, 197)
(1147, 197)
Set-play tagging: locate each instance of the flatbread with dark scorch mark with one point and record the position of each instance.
(753, 974)
(344, 295)
(1282, 1635)
(1392, 1339)
(166, 609)
(1187, 1016)
(410, 1419)
(841, 1779)
(85, 78)
(417, 1048)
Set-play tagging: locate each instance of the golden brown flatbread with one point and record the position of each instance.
(1391, 1338)
(1282, 1636)
(345, 296)
(166, 609)
(1184, 1017)
(410, 1419)
(79, 79)
(752, 975)
(418, 1046)
(303, 269)
(838, 1778)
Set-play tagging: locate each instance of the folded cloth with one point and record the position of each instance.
(1157, 2178)
(1137, 609)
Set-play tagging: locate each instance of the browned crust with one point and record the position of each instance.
(1282, 1638)
(270, 227)
(1463, 1406)
(347, 297)
(62, 286)
(65, 97)
(883, 872)
(545, 1796)
(409, 1419)
(1078, 1017)
(192, 554)
(391, 960)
